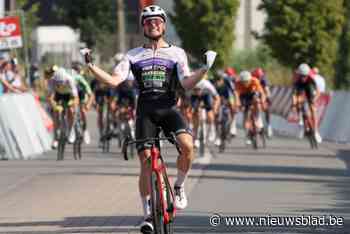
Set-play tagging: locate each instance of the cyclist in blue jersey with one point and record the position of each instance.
(159, 70)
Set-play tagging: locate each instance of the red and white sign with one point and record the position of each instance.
(10, 33)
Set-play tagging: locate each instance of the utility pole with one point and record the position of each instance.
(12, 5)
(248, 24)
(121, 26)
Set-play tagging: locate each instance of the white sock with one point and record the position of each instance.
(181, 177)
(146, 206)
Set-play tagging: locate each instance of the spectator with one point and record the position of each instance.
(10, 78)
(34, 75)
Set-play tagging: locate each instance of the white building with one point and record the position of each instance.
(61, 43)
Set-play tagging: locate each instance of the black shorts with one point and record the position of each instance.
(206, 99)
(127, 99)
(247, 98)
(100, 96)
(147, 122)
(308, 89)
(63, 99)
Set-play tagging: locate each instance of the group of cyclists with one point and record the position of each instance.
(154, 82)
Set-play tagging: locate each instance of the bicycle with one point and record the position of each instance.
(125, 129)
(201, 129)
(62, 131)
(308, 126)
(107, 131)
(224, 120)
(78, 128)
(253, 133)
(162, 195)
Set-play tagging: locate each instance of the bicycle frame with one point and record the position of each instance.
(309, 127)
(163, 207)
(159, 170)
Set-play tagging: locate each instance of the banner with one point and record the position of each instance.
(10, 33)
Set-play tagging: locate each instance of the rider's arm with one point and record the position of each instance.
(120, 73)
(8, 86)
(112, 80)
(190, 81)
(187, 79)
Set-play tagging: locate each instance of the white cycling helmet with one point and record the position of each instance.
(245, 76)
(60, 75)
(152, 11)
(304, 69)
(118, 57)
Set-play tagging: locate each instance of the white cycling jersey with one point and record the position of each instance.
(63, 82)
(206, 87)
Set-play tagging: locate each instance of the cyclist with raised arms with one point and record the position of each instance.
(62, 88)
(159, 69)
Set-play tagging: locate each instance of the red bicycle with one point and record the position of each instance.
(162, 195)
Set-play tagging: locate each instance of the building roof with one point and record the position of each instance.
(55, 34)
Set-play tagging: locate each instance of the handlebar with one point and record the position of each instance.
(151, 140)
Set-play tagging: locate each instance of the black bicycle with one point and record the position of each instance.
(224, 120)
(162, 195)
(255, 134)
(78, 128)
(125, 129)
(308, 126)
(62, 131)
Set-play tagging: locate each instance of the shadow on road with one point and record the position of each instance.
(126, 224)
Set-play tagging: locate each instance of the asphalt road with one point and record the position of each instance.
(99, 193)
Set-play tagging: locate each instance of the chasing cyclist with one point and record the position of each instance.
(304, 86)
(250, 93)
(205, 92)
(159, 69)
(225, 85)
(62, 89)
(85, 96)
(261, 75)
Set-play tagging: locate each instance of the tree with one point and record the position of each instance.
(30, 19)
(342, 74)
(203, 25)
(304, 31)
(94, 18)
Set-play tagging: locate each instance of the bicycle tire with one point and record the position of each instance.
(263, 138)
(169, 227)
(61, 138)
(157, 212)
(201, 141)
(313, 141)
(253, 138)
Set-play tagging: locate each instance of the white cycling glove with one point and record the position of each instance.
(209, 59)
(86, 52)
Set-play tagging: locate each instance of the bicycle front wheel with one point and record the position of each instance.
(156, 206)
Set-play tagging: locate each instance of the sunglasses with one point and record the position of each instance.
(155, 21)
